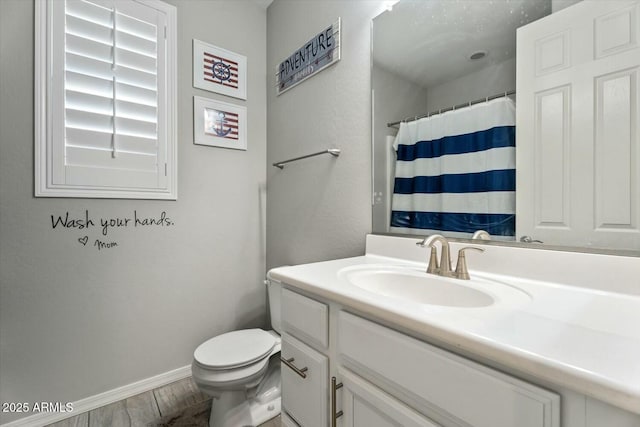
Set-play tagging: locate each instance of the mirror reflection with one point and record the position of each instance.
(444, 115)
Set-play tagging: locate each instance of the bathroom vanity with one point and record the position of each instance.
(534, 339)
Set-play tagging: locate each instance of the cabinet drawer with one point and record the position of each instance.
(305, 318)
(304, 399)
(452, 386)
(364, 405)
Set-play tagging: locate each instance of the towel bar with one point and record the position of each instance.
(335, 152)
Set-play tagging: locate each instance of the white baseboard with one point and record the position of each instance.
(103, 399)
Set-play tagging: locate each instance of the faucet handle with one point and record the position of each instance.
(433, 267)
(461, 266)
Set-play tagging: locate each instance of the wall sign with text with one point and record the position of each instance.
(87, 224)
(314, 56)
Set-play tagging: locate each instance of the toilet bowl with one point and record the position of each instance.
(241, 371)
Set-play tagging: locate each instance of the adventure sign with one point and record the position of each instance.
(314, 56)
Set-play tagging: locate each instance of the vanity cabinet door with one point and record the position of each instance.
(466, 392)
(364, 405)
(304, 383)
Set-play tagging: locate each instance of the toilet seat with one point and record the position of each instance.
(234, 349)
(235, 360)
(232, 379)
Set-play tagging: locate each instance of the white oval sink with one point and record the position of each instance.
(414, 285)
(423, 289)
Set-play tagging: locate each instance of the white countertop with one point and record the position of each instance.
(583, 339)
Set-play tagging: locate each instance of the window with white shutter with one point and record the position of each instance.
(105, 99)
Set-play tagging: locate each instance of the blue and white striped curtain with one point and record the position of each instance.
(455, 172)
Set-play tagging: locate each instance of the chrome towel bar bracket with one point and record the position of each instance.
(335, 152)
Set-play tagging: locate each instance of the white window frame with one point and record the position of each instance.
(44, 108)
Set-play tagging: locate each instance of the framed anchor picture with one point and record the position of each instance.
(219, 70)
(219, 124)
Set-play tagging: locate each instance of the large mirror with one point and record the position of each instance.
(436, 59)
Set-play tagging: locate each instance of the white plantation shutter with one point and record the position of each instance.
(111, 133)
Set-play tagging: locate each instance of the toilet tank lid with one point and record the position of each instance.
(234, 349)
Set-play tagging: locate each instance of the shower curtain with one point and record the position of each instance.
(455, 172)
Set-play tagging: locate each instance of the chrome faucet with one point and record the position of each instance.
(443, 268)
(481, 235)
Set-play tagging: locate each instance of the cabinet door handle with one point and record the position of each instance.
(299, 371)
(334, 414)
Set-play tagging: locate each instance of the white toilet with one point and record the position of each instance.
(241, 371)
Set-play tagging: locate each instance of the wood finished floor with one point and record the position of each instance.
(179, 404)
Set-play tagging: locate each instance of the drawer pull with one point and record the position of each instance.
(299, 371)
(334, 415)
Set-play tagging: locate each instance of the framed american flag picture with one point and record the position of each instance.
(219, 124)
(219, 70)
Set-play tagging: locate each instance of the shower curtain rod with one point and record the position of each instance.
(455, 107)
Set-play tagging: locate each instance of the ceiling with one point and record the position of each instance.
(428, 42)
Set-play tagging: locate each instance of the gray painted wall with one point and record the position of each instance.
(491, 80)
(394, 99)
(557, 5)
(75, 321)
(319, 208)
